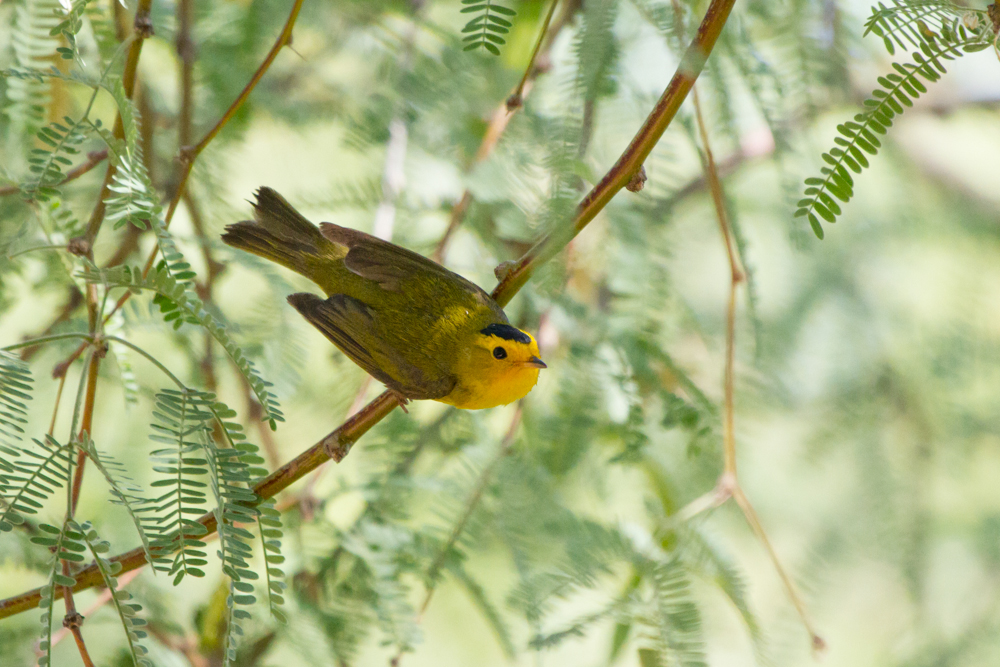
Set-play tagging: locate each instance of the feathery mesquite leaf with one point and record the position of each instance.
(121, 600)
(485, 29)
(859, 137)
(186, 307)
(15, 392)
(28, 476)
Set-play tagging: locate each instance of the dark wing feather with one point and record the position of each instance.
(335, 318)
(390, 265)
(350, 325)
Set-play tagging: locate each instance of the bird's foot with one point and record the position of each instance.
(402, 400)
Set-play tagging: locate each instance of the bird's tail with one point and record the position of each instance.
(279, 233)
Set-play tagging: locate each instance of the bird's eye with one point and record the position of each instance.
(499, 353)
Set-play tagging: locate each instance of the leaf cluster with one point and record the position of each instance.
(183, 306)
(487, 26)
(903, 23)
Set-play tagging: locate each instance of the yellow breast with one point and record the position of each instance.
(491, 390)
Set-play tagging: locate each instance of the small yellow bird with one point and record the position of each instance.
(425, 332)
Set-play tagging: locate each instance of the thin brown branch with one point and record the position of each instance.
(86, 427)
(284, 39)
(73, 621)
(55, 407)
(516, 98)
(736, 277)
(338, 443)
(100, 601)
(728, 485)
(94, 158)
(80, 645)
(457, 215)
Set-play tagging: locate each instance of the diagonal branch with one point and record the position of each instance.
(632, 159)
(338, 443)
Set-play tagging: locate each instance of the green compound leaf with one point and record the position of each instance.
(487, 26)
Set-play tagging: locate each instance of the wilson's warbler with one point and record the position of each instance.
(426, 332)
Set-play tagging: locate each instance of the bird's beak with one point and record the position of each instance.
(536, 362)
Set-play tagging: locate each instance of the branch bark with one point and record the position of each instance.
(338, 443)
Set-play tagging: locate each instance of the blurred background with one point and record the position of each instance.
(866, 374)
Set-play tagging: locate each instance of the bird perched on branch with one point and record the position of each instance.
(424, 331)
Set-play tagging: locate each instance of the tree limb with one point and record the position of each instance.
(338, 443)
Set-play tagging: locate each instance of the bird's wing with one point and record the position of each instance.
(390, 265)
(350, 325)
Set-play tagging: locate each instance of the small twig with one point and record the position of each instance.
(284, 39)
(86, 426)
(338, 443)
(94, 158)
(100, 601)
(728, 485)
(51, 246)
(55, 408)
(516, 98)
(73, 621)
(457, 215)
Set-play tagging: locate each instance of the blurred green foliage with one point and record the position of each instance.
(544, 533)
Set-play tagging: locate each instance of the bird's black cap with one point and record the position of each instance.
(507, 332)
